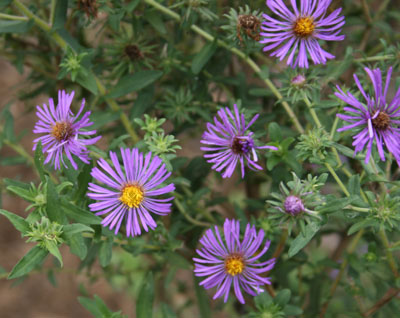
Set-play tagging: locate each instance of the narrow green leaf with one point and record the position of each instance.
(71, 229)
(83, 180)
(105, 252)
(88, 81)
(39, 159)
(201, 58)
(54, 211)
(19, 223)
(362, 224)
(77, 245)
(155, 19)
(78, 214)
(283, 297)
(22, 193)
(354, 185)
(53, 249)
(33, 258)
(15, 26)
(134, 82)
(144, 304)
(60, 14)
(203, 302)
(302, 240)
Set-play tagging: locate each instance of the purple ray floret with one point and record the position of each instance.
(63, 131)
(130, 193)
(376, 119)
(230, 142)
(296, 33)
(231, 261)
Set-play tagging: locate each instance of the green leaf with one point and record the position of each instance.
(275, 131)
(144, 304)
(98, 308)
(201, 58)
(363, 224)
(354, 185)
(19, 223)
(203, 302)
(71, 229)
(105, 252)
(291, 310)
(156, 21)
(23, 193)
(302, 240)
(60, 14)
(88, 81)
(53, 249)
(39, 159)
(78, 214)
(54, 211)
(83, 181)
(4, 3)
(283, 297)
(33, 258)
(77, 245)
(15, 26)
(134, 82)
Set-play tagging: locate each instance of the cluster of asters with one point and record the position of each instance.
(134, 192)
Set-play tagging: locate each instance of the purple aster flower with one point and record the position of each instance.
(231, 143)
(300, 31)
(293, 205)
(376, 119)
(62, 131)
(231, 261)
(130, 193)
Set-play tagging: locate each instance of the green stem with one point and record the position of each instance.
(187, 216)
(336, 177)
(358, 209)
(240, 54)
(60, 41)
(12, 17)
(389, 255)
(350, 250)
(375, 58)
(312, 111)
(21, 151)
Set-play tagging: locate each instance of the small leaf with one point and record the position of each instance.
(71, 229)
(60, 14)
(354, 185)
(15, 26)
(283, 297)
(88, 81)
(83, 180)
(156, 21)
(54, 211)
(53, 249)
(363, 224)
(23, 193)
(106, 252)
(134, 82)
(302, 240)
(39, 159)
(201, 58)
(19, 223)
(78, 214)
(77, 245)
(27, 263)
(144, 304)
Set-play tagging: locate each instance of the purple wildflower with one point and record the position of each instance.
(231, 143)
(376, 119)
(233, 261)
(62, 129)
(300, 30)
(130, 194)
(293, 205)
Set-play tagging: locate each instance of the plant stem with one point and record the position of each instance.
(240, 54)
(389, 255)
(366, 11)
(61, 42)
(12, 17)
(187, 216)
(389, 295)
(375, 58)
(350, 250)
(336, 177)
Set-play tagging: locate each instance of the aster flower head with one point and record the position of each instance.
(298, 30)
(376, 119)
(62, 130)
(130, 194)
(297, 200)
(230, 142)
(231, 261)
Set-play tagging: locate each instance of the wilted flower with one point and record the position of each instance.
(231, 142)
(376, 119)
(129, 194)
(62, 131)
(231, 261)
(300, 31)
(298, 81)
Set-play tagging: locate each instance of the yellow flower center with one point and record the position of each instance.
(234, 265)
(131, 196)
(303, 27)
(62, 131)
